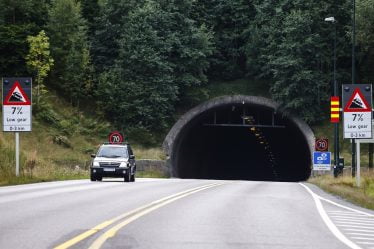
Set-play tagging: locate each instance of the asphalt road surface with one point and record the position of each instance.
(174, 213)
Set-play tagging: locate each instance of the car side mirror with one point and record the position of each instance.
(93, 155)
(132, 157)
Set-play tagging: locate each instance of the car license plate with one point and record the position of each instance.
(109, 169)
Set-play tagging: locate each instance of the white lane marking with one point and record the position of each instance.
(354, 219)
(349, 215)
(363, 234)
(354, 222)
(43, 193)
(63, 187)
(341, 206)
(354, 230)
(365, 227)
(42, 185)
(48, 185)
(342, 212)
(365, 243)
(328, 222)
(362, 238)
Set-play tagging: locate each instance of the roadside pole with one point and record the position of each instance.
(17, 153)
(358, 162)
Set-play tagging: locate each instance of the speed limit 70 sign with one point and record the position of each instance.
(115, 137)
(321, 144)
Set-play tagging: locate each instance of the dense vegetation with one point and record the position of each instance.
(136, 60)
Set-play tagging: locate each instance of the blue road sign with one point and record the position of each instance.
(321, 160)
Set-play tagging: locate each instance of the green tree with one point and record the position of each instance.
(18, 19)
(228, 20)
(365, 39)
(293, 50)
(39, 59)
(90, 12)
(69, 47)
(109, 28)
(155, 65)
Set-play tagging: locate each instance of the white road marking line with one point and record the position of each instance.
(355, 223)
(342, 206)
(328, 222)
(340, 212)
(43, 193)
(356, 219)
(365, 243)
(40, 185)
(345, 213)
(363, 234)
(349, 215)
(355, 230)
(362, 238)
(354, 226)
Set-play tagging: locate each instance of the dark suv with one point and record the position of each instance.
(113, 160)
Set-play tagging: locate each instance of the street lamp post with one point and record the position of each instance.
(336, 125)
(354, 79)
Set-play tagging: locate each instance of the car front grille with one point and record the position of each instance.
(109, 164)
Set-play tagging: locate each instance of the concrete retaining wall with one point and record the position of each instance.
(152, 165)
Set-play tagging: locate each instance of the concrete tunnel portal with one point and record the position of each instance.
(240, 138)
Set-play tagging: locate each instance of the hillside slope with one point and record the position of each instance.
(59, 145)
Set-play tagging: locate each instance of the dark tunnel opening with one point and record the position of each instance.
(240, 140)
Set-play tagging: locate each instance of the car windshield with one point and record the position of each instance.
(112, 152)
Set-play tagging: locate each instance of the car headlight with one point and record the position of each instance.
(124, 164)
(96, 164)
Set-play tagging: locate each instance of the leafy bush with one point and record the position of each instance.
(62, 140)
(46, 114)
(141, 136)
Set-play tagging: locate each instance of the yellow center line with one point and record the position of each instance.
(97, 244)
(107, 223)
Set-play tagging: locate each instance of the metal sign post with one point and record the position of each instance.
(358, 164)
(17, 153)
(17, 109)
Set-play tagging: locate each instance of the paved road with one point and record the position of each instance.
(174, 213)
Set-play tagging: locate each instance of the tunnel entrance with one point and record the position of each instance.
(240, 138)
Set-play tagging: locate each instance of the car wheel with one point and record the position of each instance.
(93, 178)
(99, 178)
(127, 177)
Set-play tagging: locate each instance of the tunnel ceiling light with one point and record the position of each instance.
(253, 128)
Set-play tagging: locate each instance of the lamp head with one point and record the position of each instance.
(330, 19)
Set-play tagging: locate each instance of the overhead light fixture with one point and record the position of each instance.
(330, 19)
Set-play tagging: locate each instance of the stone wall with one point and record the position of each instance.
(152, 165)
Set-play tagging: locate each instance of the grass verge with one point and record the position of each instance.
(346, 188)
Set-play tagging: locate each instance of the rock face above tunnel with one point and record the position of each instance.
(242, 139)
